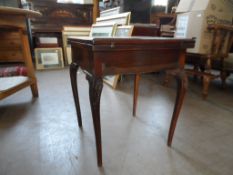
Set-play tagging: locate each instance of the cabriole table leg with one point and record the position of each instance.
(95, 89)
(73, 77)
(182, 84)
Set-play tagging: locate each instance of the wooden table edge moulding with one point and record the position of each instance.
(126, 55)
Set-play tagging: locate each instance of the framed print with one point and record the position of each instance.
(109, 12)
(103, 30)
(119, 19)
(111, 80)
(46, 42)
(122, 31)
(49, 58)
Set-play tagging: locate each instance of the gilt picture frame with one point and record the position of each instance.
(103, 30)
(124, 31)
(49, 58)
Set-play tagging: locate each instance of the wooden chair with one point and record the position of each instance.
(205, 63)
(226, 63)
(227, 68)
(10, 85)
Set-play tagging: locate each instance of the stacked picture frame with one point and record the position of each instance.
(49, 58)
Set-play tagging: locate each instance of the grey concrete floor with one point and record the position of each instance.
(41, 136)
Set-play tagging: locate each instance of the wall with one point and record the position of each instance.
(87, 1)
(172, 3)
(9, 3)
(140, 10)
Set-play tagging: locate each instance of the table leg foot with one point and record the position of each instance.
(73, 77)
(95, 89)
(206, 83)
(182, 84)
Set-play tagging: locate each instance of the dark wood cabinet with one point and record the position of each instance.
(56, 15)
(10, 3)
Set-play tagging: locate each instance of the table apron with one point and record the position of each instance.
(110, 62)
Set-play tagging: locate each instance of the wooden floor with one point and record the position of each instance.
(41, 137)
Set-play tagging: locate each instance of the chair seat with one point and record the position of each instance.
(7, 83)
(8, 71)
(228, 62)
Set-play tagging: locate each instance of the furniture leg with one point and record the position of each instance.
(206, 78)
(27, 55)
(73, 77)
(135, 96)
(95, 89)
(195, 69)
(167, 79)
(206, 82)
(34, 89)
(224, 76)
(182, 84)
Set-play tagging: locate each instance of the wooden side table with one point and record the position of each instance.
(110, 56)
